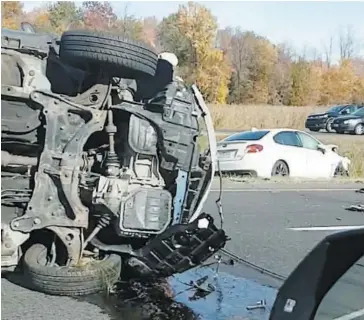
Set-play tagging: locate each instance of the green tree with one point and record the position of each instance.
(173, 40)
(63, 14)
(253, 59)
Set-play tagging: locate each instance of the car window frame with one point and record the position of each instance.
(338, 109)
(341, 112)
(360, 108)
(348, 108)
(312, 137)
(285, 145)
(266, 132)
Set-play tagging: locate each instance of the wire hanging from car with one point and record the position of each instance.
(219, 199)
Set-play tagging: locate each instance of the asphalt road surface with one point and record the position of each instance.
(274, 226)
(262, 219)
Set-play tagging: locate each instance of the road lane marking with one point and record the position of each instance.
(352, 315)
(328, 228)
(283, 190)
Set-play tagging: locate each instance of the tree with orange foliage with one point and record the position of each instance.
(200, 62)
(11, 13)
(150, 26)
(340, 84)
(98, 15)
(39, 18)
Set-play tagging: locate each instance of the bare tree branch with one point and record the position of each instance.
(328, 51)
(347, 43)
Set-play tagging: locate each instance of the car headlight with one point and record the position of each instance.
(346, 122)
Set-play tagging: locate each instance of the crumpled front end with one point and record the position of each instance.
(193, 236)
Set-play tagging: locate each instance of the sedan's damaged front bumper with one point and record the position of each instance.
(179, 248)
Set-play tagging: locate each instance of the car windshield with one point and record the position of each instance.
(247, 135)
(359, 112)
(336, 108)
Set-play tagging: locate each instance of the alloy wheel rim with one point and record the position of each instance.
(359, 129)
(281, 170)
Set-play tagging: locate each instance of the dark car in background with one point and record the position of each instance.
(316, 122)
(353, 123)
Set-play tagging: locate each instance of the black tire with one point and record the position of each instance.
(341, 172)
(114, 55)
(69, 281)
(277, 167)
(315, 130)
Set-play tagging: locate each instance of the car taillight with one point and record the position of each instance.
(253, 148)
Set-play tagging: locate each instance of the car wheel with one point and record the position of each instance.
(328, 125)
(114, 55)
(340, 171)
(359, 129)
(280, 169)
(90, 277)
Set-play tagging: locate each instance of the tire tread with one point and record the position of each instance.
(70, 281)
(115, 55)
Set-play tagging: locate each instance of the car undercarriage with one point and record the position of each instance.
(106, 160)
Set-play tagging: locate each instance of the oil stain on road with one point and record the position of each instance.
(202, 293)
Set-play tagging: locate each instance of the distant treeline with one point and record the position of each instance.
(229, 65)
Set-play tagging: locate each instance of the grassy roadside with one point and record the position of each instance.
(238, 117)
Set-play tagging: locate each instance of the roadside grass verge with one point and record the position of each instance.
(238, 117)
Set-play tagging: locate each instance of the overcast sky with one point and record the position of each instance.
(301, 24)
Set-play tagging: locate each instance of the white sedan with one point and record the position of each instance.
(279, 152)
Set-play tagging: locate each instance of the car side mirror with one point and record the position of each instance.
(301, 294)
(345, 111)
(321, 148)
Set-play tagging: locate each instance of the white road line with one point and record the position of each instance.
(352, 315)
(283, 190)
(328, 228)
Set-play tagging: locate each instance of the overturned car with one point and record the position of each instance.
(106, 159)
